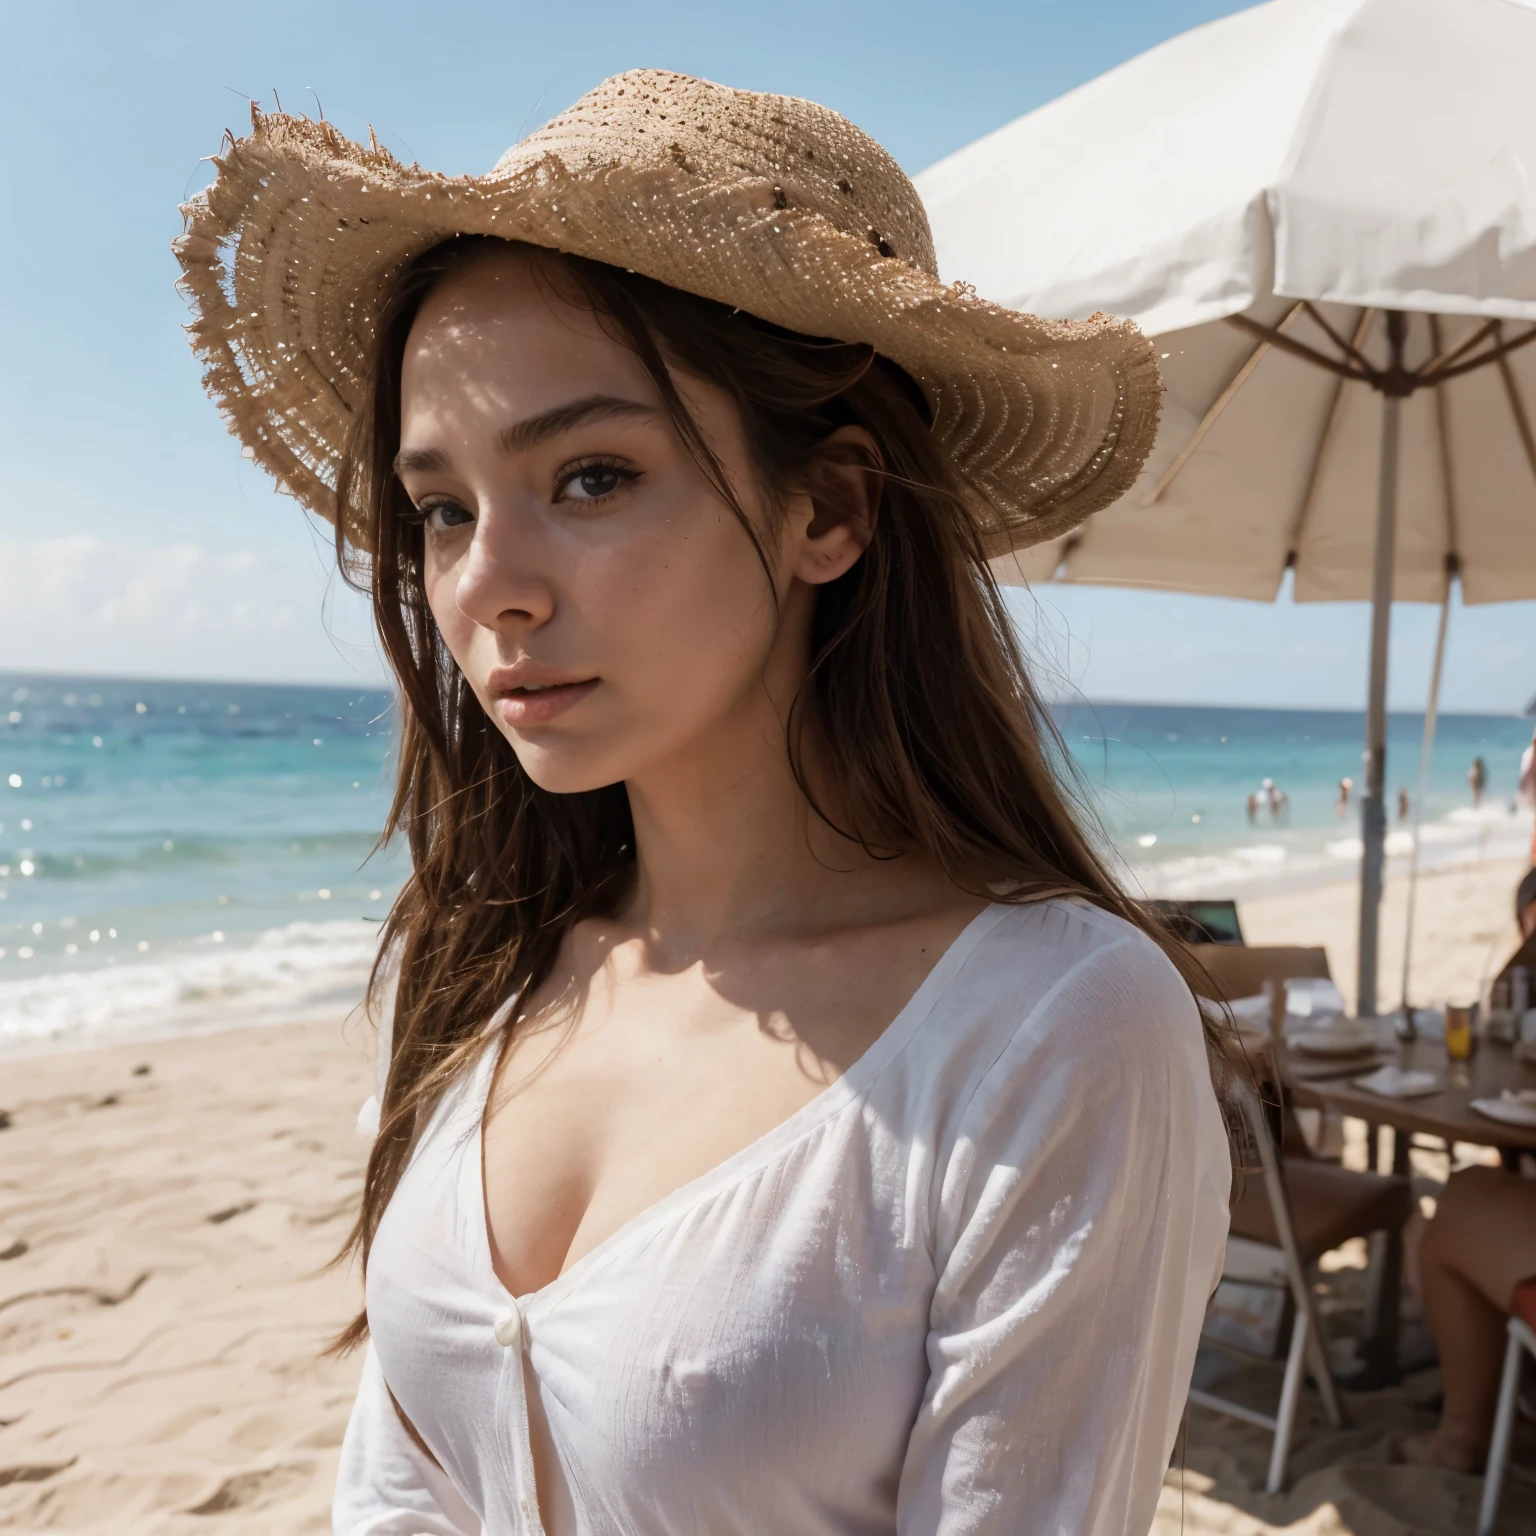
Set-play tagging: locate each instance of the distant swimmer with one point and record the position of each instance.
(1270, 800)
(1346, 788)
(1402, 805)
(1477, 780)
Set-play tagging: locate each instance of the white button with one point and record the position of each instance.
(509, 1328)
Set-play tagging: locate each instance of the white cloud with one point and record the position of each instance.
(83, 604)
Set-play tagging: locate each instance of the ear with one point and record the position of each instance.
(844, 483)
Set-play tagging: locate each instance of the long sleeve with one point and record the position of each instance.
(386, 1485)
(1079, 1222)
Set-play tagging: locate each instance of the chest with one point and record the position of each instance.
(772, 1314)
(612, 1105)
(636, 1077)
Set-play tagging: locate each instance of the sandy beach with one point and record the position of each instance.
(162, 1300)
(166, 1211)
(1464, 929)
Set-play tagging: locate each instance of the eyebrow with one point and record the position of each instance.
(523, 435)
(426, 461)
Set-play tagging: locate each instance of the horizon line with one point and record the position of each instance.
(386, 685)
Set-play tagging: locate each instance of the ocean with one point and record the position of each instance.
(183, 856)
(178, 857)
(1170, 783)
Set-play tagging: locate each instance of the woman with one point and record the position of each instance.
(1477, 1264)
(787, 1125)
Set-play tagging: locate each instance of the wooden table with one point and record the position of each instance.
(1328, 1082)
(1324, 1082)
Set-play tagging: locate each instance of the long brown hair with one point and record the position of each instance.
(924, 716)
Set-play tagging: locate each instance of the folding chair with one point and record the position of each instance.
(1303, 1209)
(1240, 970)
(1522, 1341)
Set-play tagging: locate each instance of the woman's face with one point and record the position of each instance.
(607, 608)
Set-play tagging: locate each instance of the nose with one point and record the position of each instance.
(502, 584)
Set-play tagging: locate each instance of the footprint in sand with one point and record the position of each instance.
(33, 1474)
(256, 1488)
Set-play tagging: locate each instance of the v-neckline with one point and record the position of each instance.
(845, 1089)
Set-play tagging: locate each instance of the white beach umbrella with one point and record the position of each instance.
(1325, 211)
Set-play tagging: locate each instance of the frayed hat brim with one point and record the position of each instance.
(775, 206)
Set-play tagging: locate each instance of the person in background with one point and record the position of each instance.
(1477, 1264)
(1268, 799)
(1477, 780)
(1346, 787)
(1402, 805)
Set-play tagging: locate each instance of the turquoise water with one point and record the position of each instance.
(175, 853)
(1171, 783)
(184, 856)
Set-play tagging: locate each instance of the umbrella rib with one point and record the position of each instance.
(1325, 437)
(1298, 348)
(1465, 345)
(1348, 349)
(1447, 478)
(1222, 401)
(1493, 355)
(1517, 405)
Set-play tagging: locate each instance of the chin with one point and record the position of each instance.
(567, 768)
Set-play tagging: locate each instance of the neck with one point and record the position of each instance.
(726, 843)
(728, 848)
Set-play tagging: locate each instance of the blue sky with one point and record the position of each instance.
(133, 538)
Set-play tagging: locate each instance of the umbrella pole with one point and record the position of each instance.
(1425, 751)
(1373, 809)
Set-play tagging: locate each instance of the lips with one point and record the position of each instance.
(537, 703)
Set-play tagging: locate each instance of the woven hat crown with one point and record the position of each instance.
(769, 204)
(803, 155)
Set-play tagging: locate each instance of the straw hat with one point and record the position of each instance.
(774, 205)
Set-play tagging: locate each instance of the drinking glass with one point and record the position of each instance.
(1458, 1031)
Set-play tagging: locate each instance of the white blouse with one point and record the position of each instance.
(959, 1291)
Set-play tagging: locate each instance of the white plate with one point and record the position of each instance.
(1509, 1111)
(1340, 1040)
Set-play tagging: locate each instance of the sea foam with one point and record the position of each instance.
(1265, 867)
(301, 970)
